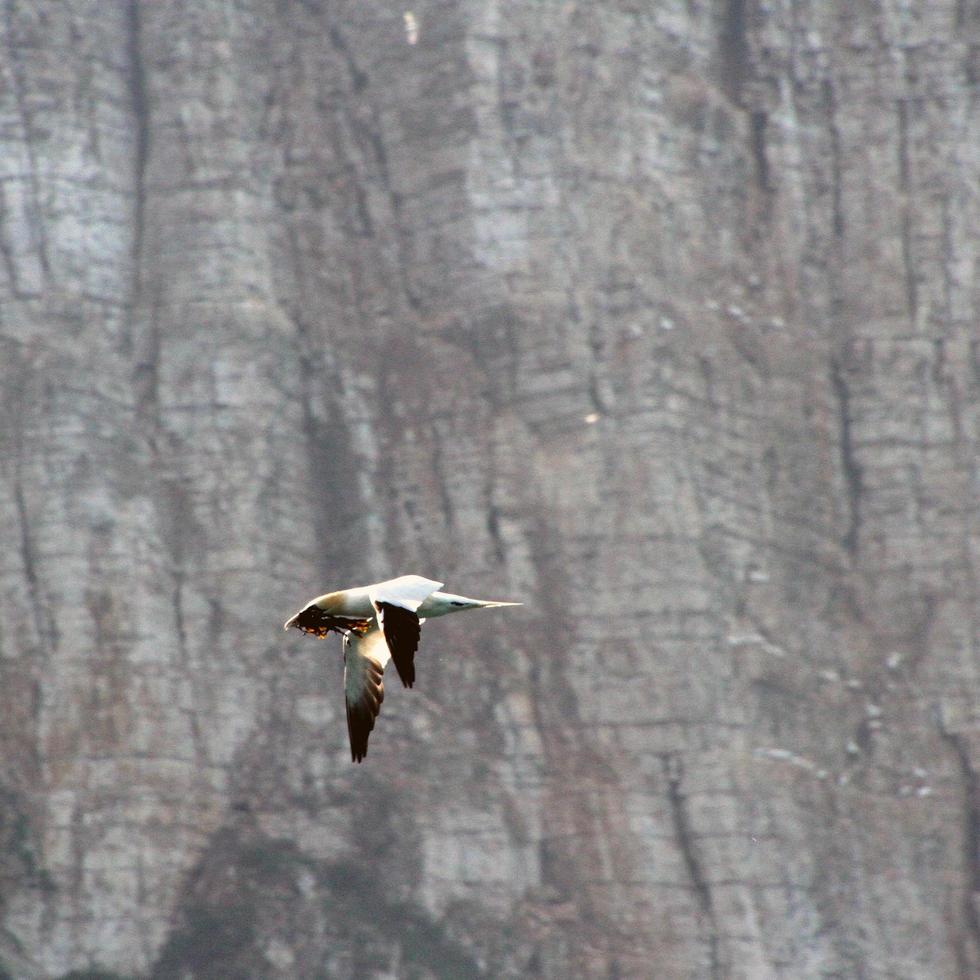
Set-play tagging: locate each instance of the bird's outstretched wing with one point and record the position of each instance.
(365, 658)
(396, 603)
(401, 629)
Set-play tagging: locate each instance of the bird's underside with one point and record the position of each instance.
(315, 622)
(379, 623)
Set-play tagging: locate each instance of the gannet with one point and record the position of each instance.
(379, 623)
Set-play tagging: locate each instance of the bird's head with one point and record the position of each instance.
(312, 618)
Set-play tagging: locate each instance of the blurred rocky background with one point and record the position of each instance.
(660, 315)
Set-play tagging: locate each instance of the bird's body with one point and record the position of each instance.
(378, 622)
(358, 603)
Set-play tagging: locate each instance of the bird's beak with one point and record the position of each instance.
(289, 623)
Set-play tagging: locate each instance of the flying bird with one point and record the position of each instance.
(379, 623)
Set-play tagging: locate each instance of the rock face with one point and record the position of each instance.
(659, 315)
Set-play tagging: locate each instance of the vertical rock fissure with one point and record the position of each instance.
(193, 720)
(440, 473)
(734, 50)
(337, 514)
(759, 122)
(6, 251)
(495, 532)
(971, 840)
(852, 472)
(19, 86)
(674, 773)
(319, 470)
(836, 181)
(368, 129)
(147, 345)
(904, 180)
(138, 103)
(358, 78)
(43, 621)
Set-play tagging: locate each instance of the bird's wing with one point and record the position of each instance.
(365, 658)
(409, 591)
(401, 629)
(396, 603)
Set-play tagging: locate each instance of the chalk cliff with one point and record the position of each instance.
(659, 315)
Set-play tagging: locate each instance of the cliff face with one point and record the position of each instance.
(660, 316)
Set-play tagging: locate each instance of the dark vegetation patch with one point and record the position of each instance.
(427, 947)
(245, 891)
(20, 856)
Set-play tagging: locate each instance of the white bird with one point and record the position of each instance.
(379, 623)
